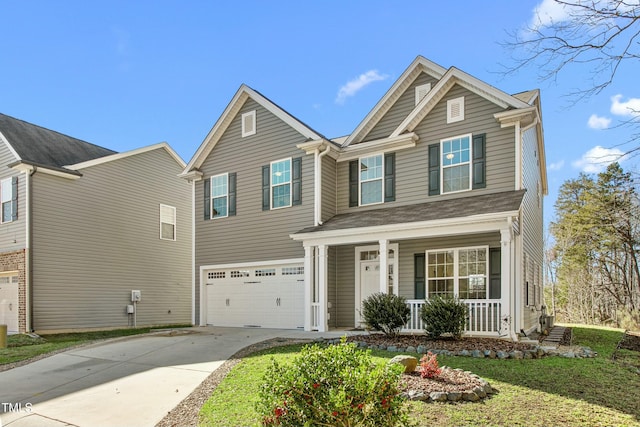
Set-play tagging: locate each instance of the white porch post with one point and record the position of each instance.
(323, 324)
(506, 288)
(308, 286)
(384, 266)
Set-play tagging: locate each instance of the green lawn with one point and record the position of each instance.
(24, 347)
(540, 392)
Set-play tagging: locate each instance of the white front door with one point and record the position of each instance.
(9, 303)
(369, 282)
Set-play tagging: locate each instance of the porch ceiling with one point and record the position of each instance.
(464, 207)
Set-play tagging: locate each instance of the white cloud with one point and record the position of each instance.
(555, 166)
(547, 13)
(597, 122)
(597, 159)
(630, 108)
(354, 86)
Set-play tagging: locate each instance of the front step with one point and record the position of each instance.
(555, 335)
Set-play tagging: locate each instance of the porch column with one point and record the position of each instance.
(384, 266)
(308, 286)
(506, 288)
(323, 324)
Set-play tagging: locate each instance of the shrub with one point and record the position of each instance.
(385, 312)
(338, 385)
(429, 366)
(444, 315)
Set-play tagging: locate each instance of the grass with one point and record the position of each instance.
(540, 392)
(24, 347)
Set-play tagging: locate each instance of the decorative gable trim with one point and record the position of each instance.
(454, 76)
(418, 66)
(233, 108)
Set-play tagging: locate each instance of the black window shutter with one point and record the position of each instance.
(266, 191)
(353, 183)
(232, 194)
(479, 161)
(390, 177)
(434, 169)
(207, 198)
(296, 182)
(14, 198)
(495, 286)
(419, 265)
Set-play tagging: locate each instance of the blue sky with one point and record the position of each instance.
(126, 74)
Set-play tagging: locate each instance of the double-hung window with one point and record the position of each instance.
(8, 199)
(456, 164)
(371, 179)
(220, 196)
(458, 272)
(281, 184)
(167, 222)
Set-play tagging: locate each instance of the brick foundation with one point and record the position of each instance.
(15, 261)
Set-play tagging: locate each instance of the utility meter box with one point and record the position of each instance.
(130, 309)
(136, 296)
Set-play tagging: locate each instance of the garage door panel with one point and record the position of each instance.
(264, 296)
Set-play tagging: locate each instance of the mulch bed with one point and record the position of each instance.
(631, 341)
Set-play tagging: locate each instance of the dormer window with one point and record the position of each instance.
(455, 110)
(249, 123)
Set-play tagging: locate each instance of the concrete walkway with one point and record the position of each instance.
(124, 382)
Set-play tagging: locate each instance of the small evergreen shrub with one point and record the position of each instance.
(337, 385)
(444, 315)
(385, 312)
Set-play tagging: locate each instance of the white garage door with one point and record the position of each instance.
(9, 302)
(268, 296)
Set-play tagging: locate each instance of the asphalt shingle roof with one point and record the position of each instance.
(453, 208)
(40, 146)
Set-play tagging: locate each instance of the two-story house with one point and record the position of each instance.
(82, 227)
(438, 191)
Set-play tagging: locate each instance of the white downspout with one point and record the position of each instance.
(318, 187)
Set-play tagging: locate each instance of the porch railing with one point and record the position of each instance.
(315, 316)
(484, 317)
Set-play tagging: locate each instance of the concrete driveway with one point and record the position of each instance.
(133, 381)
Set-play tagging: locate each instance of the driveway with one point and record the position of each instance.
(133, 381)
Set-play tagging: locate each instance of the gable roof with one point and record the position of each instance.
(117, 156)
(234, 106)
(418, 66)
(39, 146)
(451, 77)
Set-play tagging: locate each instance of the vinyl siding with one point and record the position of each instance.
(532, 222)
(400, 110)
(97, 238)
(13, 234)
(412, 164)
(329, 187)
(253, 234)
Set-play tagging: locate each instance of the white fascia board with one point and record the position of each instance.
(118, 156)
(14, 153)
(407, 231)
(193, 175)
(524, 115)
(451, 77)
(400, 142)
(321, 145)
(252, 264)
(419, 65)
(29, 168)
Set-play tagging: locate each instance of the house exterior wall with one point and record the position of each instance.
(329, 187)
(16, 262)
(532, 231)
(412, 164)
(400, 110)
(98, 237)
(252, 235)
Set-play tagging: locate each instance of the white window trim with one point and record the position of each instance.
(226, 175)
(424, 89)
(289, 183)
(469, 163)
(252, 116)
(381, 179)
(450, 104)
(456, 275)
(175, 228)
(2, 201)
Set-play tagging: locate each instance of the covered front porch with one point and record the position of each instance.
(471, 257)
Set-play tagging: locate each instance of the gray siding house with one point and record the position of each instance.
(84, 226)
(438, 191)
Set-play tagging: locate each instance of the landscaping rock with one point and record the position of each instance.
(392, 348)
(464, 353)
(490, 354)
(470, 396)
(502, 355)
(454, 396)
(480, 392)
(411, 349)
(438, 396)
(477, 353)
(516, 354)
(409, 362)
(421, 349)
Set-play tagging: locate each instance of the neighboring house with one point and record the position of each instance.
(438, 191)
(82, 226)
